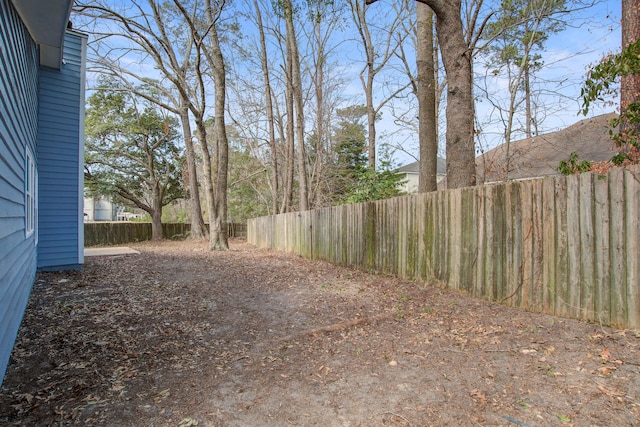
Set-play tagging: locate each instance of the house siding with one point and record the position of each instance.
(60, 159)
(18, 130)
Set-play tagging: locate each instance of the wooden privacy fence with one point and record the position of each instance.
(567, 246)
(116, 233)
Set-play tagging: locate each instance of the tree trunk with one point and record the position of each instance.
(527, 98)
(157, 233)
(368, 85)
(198, 228)
(318, 82)
(629, 84)
(156, 215)
(508, 130)
(456, 56)
(292, 46)
(290, 139)
(207, 171)
(218, 238)
(426, 88)
(269, 107)
(371, 119)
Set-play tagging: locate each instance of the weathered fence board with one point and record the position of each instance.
(573, 288)
(528, 208)
(116, 233)
(616, 244)
(632, 242)
(602, 255)
(587, 246)
(561, 245)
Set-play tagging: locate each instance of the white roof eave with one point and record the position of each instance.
(46, 21)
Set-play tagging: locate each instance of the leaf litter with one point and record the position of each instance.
(180, 336)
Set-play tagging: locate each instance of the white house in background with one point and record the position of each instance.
(103, 209)
(411, 174)
(100, 209)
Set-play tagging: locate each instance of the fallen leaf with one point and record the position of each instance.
(605, 371)
(610, 393)
(160, 396)
(91, 399)
(476, 393)
(188, 422)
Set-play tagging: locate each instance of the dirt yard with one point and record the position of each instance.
(179, 336)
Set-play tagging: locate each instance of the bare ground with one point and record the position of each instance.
(179, 336)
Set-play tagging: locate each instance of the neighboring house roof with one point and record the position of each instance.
(414, 168)
(46, 21)
(540, 155)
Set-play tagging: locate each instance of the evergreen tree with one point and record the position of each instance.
(356, 181)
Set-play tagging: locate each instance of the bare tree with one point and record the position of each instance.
(268, 107)
(514, 39)
(325, 19)
(293, 55)
(148, 37)
(218, 224)
(207, 46)
(289, 133)
(378, 52)
(263, 109)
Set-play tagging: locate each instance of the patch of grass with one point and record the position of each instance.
(524, 404)
(428, 310)
(399, 311)
(532, 329)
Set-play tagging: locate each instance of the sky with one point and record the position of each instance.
(568, 55)
(590, 34)
(567, 58)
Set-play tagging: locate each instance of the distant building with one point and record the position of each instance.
(100, 209)
(540, 155)
(411, 174)
(103, 209)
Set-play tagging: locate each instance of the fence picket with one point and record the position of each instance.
(573, 289)
(587, 246)
(527, 208)
(120, 232)
(617, 248)
(632, 248)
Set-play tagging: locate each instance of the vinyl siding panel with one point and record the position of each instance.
(60, 158)
(18, 130)
(15, 299)
(13, 223)
(11, 201)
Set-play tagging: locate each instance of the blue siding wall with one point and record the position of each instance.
(18, 130)
(60, 159)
